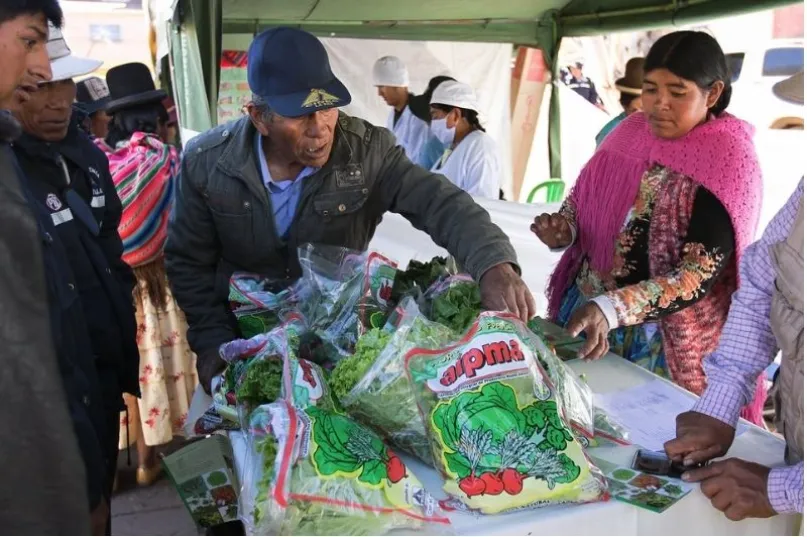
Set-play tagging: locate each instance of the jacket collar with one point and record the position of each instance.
(70, 148)
(238, 158)
(10, 129)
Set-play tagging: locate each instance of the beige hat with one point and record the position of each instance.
(62, 62)
(791, 89)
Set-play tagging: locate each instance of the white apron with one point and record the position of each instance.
(411, 132)
(473, 166)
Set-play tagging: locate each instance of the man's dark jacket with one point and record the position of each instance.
(103, 280)
(50, 392)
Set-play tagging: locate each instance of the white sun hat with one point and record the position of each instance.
(390, 71)
(791, 89)
(62, 62)
(457, 94)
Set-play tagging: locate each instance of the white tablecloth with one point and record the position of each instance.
(693, 515)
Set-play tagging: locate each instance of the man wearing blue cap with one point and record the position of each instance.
(297, 171)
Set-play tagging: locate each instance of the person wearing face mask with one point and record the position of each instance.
(391, 78)
(657, 222)
(433, 149)
(294, 171)
(470, 159)
(69, 178)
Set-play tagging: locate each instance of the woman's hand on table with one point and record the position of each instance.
(699, 438)
(590, 319)
(553, 230)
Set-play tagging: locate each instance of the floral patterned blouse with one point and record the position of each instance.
(706, 249)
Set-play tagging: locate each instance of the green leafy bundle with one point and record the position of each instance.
(455, 303)
(418, 276)
(381, 397)
(349, 371)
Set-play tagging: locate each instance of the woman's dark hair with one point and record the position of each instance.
(11, 9)
(143, 118)
(625, 99)
(694, 56)
(471, 116)
(419, 104)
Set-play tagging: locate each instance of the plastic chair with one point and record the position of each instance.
(554, 191)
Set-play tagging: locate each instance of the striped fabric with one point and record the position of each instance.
(143, 170)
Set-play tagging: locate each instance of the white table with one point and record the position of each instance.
(693, 515)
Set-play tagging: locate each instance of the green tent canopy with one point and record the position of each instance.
(198, 26)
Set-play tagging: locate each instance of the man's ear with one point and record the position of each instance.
(257, 118)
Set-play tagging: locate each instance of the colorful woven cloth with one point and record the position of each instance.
(143, 169)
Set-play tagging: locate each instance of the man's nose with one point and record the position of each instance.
(380, 92)
(317, 125)
(39, 65)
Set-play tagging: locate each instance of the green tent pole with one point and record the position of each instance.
(555, 170)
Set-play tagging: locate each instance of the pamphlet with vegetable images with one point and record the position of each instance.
(652, 492)
(203, 474)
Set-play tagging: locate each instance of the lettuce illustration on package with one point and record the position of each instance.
(332, 476)
(496, 422)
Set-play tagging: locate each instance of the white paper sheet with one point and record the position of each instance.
(648, 411)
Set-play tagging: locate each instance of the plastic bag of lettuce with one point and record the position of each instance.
(496, 422)
(259, 303)
(267, 367)
(372, 384)
(349, 293)
(329, 475)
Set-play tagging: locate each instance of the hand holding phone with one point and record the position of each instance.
(657, 463)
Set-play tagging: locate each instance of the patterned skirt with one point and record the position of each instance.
(641, 344)
(167, 376)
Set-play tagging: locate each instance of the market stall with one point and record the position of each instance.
(693, 515)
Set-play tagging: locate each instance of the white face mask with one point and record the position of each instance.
(442, 132)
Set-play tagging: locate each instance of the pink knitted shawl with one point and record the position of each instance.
(719, 155)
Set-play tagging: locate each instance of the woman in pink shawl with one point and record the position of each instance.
(658, 219)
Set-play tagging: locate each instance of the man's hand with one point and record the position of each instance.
(590, 319)
(208, 365)
(699, 438)
(503, 289)
(98, 518)
(553, 230)
(737, 488)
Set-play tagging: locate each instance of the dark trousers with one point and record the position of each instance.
(110, 447)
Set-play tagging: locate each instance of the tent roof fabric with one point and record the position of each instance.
(516, 21)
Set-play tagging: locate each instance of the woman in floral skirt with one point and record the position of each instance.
(144, 170)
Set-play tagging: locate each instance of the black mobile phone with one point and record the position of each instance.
(657, 463)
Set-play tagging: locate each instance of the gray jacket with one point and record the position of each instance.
(44, 490)
(223, 222)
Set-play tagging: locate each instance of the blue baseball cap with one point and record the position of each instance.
(290, 70)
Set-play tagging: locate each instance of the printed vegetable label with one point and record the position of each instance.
(499, 437)
(331, 470)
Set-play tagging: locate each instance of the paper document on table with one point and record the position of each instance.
(648, 411)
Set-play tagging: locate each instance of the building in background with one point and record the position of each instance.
(114, 32)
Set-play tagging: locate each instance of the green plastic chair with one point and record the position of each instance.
(554, 191)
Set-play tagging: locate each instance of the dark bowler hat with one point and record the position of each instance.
(290, 70)
(131, 85)
(634, 77)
